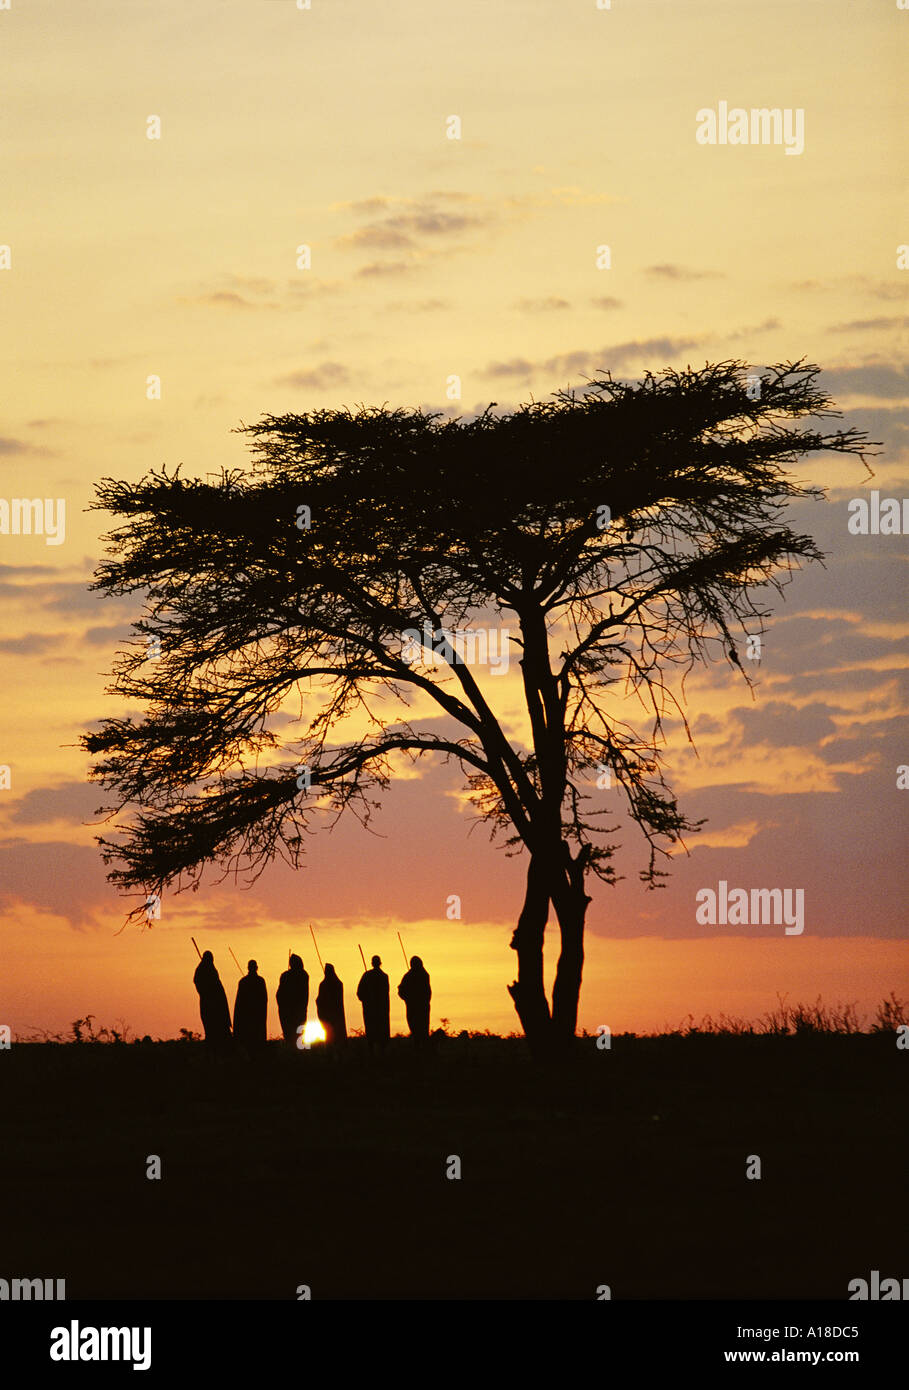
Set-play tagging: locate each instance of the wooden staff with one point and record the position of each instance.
(362, 957)
(198, 952)
(403, 952)
(316, 944)
(236, 962)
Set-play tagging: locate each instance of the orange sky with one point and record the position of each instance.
(435, 259)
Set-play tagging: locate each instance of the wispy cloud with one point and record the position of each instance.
(378, 269)
(671, 271)
(768, 326)
(32, 644)
(542, 306)
(405, 223)
(585, 361)
(326, 375)
(11, 448)
(417, 306)
(878, 325)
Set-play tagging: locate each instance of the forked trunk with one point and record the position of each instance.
(550, 1033)
(528, 990)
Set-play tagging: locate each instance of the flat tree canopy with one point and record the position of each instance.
(620, 535)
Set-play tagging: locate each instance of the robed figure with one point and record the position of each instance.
(251, 1009)
(373, 993)
(212, 1001)
(330, 1007)
(415, 991)
(292, 997)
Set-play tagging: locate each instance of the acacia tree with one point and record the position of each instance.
(621, 534)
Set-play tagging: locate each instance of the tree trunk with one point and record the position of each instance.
(570, 903)
(528, 991)
(567, 988)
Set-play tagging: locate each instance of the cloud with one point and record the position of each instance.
(75, 802)
(778, 724)
(766, 327)
(879, 418)
(252, 292)
(864, 285)
(878, 379)
(542, 306)
(869, 325)
(378, 238)
(67, 598)
(10, 447)
(107, 636)
(61, 596)
(320, 378)
(606, 301)
(417, 306)
(254, 284)
(76, 889)
(366, 206)
(587, 362)
(415, 219)
(731, 837)
(681, 272)
(228, 299)
(515, 366)
(12, 572)
(32, 644)
(380, 268)
(432, 222)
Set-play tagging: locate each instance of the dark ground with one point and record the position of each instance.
(627, 1168)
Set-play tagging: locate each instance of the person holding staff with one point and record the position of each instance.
(330, 1007)
(415, 990)
(212, 1001)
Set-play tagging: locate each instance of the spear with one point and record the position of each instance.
(198, 952)
(403, 952)
(362, 957)
(316, 944)
(236, 962)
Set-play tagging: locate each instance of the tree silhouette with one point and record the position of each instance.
(624, 532)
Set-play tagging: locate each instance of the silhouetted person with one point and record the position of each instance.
(292, 997)
(251, 1010)
(373, 993)
(415, 991)
(330, 1007)
(212, 1001)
